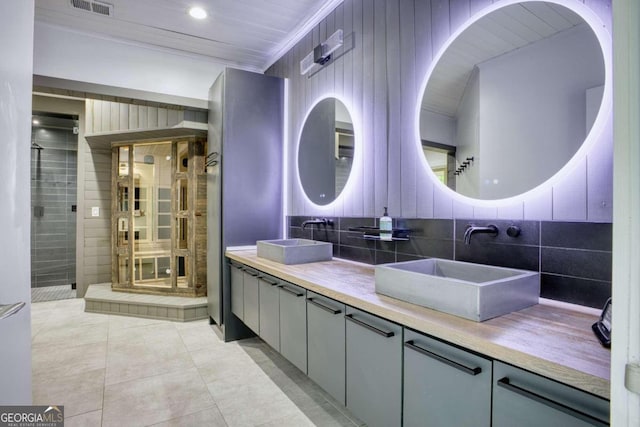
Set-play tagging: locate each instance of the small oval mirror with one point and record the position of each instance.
(325, 151)
(511, 100)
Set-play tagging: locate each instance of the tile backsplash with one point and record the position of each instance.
(573, 258)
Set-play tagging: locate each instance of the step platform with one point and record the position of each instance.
(100, 298)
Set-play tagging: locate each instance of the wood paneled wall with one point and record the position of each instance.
(94, 233)
(106, 116)
(394, 42)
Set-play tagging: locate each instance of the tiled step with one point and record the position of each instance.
(101, 299)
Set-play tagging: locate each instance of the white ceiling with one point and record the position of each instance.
(495, 34)
(249, 34)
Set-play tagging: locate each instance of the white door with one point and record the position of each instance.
(16, 69)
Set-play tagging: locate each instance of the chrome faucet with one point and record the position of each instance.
(472, 229)
(318, 221)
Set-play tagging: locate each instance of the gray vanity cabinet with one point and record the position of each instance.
(251, 315)
(293, 324)
(269, 301)
(237, 290)
(523, 399)
(326, 344)
(444, 385)
(374, 369)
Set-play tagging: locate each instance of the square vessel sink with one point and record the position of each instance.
(473, 291)
(294, 251)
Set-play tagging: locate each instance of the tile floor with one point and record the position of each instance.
(121, 371)
(51, 293)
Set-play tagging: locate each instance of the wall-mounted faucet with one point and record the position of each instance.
(317, 221)
(472, 229)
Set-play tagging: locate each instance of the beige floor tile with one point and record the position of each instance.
(192, 324)
(145, 350)
(228, 371)
(208, 355)
(258, 350)
(210, 417)
(53, 336)
(155, 399)
(37, 325)
(68, 361)
(89, 419)
(123, 322)
(161, 344)
(200, 336)
(148, 332)
(145, 364)
(69, 313)
(259, 393)
(241, 412)
(295, 420)
(78, 393)
(43, 306)
(70, 305)
(328, 415)
(237, 366)
(259, 386)
(76, 319)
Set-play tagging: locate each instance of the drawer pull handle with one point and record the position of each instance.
(291, 291)
(459, 366)
(269, 281)
(251, 272)
(506, 384)
(324, 307)
(387, 334)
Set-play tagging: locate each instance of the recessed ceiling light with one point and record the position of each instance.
(197, 12)
(35, 122)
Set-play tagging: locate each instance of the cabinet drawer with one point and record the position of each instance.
(444, 385)
(237, 290)
(251, 291)
(374, 368)
(525, 399)
(326, 344)
(293, 324)
(270, 311)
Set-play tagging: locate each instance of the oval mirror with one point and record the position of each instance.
(325, 151)
(511, 100)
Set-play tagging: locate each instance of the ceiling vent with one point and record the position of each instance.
(93, 6)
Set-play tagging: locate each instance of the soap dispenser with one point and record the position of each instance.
(386, 228)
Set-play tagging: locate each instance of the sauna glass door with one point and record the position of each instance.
(159, 211)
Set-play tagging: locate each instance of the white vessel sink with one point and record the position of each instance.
(294, 251)
(473, 291)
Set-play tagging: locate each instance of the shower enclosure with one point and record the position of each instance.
(54, 146)
(159, 217)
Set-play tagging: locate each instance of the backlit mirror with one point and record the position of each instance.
(511, 100)
(325, 151)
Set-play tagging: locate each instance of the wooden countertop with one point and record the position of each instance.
(552, 339)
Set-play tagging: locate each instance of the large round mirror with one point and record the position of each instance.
(511, 100)
(325, 151)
